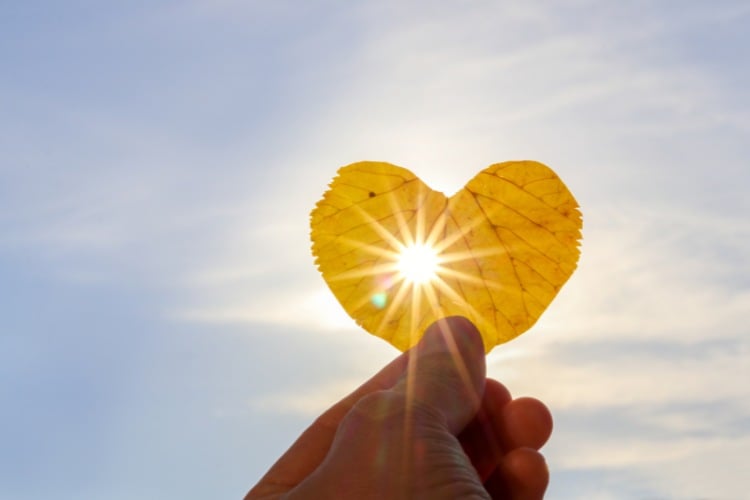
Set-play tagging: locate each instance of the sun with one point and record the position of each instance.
(418, 263)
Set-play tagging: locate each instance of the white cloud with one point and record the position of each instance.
(307, 403)
(314, 309)
(606, 93)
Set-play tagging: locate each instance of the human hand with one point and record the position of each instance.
(428, 425)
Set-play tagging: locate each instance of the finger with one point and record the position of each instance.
(446, 371)
(524, 422)
(309, 450)
(501, 425)
(480, 439)
(522, 475)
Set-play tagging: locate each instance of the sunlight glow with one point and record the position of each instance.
(411, 269)
(418, 263)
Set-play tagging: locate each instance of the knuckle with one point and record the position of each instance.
(379, 406)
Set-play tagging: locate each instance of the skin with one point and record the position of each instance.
(429, 425)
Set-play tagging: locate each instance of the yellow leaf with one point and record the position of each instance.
(398, 255)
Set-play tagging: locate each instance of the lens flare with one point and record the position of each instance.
(418, 263)
(379, 300)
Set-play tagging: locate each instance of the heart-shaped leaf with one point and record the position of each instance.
(398, 255)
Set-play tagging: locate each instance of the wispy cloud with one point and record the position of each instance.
(196, 180)
(309, 404)
(647, 348)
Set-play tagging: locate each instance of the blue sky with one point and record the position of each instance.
(163, 330)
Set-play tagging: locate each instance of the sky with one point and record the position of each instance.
(163, 330)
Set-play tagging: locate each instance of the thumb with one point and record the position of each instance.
(446, 371)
